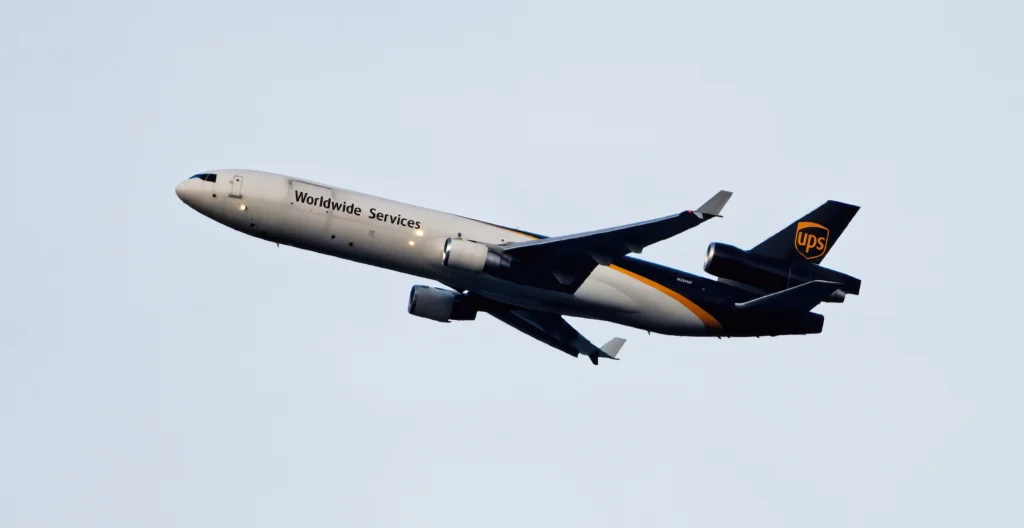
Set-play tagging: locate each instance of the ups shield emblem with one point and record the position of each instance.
(811, 240)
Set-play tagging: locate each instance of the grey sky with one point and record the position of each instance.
(158, 369)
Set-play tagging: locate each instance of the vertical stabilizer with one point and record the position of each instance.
(810, 238)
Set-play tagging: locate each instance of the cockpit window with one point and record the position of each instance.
(205, 177)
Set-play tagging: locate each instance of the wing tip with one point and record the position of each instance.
(714, 206)
(613, 346)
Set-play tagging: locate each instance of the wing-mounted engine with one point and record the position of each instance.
(772, 275)
(440, 304)
(472, 256)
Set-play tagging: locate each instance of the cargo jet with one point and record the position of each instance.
(530, 281)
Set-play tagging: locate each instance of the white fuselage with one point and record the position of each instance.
(410, 239)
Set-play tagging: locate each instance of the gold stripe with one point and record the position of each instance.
(708, 320)
(520, 233)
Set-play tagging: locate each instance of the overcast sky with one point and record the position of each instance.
(159, 369)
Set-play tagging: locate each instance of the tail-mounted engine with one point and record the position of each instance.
(471, 256)
(769, 274)
(440, 304)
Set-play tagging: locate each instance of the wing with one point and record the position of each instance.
(553, 330)
(572, 257)
(606, 244)
(548, 328)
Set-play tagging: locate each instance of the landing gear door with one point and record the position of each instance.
(236, 186)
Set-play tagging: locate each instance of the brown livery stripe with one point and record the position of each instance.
(708, 320)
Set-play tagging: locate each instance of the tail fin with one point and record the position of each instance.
(811, 237)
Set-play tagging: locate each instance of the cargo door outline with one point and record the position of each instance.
(236, 187)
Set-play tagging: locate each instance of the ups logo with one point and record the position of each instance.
(811, 240)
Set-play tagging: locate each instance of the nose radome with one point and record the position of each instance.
(188, 190)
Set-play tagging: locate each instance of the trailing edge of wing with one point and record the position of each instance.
(603, 245)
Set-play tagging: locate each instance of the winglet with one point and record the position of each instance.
(608, 351)
(611, 348)
(714, 206)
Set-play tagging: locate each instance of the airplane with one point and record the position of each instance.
(530, 281)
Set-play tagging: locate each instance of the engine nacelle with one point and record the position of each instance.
(733, 263)
(471, 256)
(440, 304)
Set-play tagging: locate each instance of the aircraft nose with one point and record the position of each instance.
(188, 190)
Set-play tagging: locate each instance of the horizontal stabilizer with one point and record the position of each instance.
(802, 298)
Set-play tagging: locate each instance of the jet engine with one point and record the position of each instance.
(471, 256)
(772, 275)
(440, 304)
